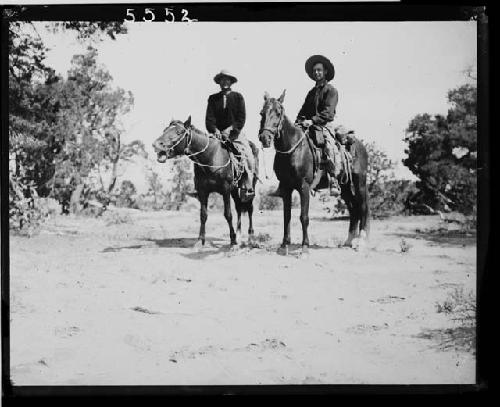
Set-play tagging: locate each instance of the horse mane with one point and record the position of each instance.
(191, 126)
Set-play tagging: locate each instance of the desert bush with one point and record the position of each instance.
(271, 203)
(263, 237)
(127, 195)
(460, 305)
(24, 215)
(391, 197)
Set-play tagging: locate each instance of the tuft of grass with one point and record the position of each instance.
(117, 218)
(404, 246)
(263, 238)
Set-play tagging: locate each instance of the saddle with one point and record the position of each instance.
(320, 161)
(236, 160)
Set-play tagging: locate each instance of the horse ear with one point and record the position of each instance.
(282, 97)
(187, 123)
(266, 95)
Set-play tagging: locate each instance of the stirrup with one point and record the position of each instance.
(334, 187)
(316, 181)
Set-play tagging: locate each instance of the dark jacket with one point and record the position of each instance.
(320, 105)
(233, 115)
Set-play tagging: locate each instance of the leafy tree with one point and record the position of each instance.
(35, 133)
(182, 181)
(89, 123)
(155, 188)
(442, 153)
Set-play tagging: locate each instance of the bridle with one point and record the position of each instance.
(277, 133)
(188, 133)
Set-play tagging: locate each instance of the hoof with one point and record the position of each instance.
(304, 252)
(233, 247)
(359, 244)
(347, 243)
(283, 250)
(199, 245)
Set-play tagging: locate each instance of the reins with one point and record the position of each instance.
(188, 133)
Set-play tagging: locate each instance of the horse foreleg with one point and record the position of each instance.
(250, 223)
(304, 216)
(287, 214)
(238, 222)
(203, 198)
(229, 217)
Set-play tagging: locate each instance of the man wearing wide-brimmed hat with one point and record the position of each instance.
(317, 114)
(225, 117)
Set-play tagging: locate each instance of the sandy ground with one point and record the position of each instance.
(133, 304)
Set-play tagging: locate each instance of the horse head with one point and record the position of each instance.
(272, 116)
(173, 140)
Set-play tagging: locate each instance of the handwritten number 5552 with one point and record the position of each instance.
(150, 16)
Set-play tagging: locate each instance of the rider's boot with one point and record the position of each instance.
(317, 179)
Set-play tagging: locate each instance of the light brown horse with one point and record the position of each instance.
(294, 167)
(213, 172)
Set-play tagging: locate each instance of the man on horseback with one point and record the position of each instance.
(317, 114)
(225, 118)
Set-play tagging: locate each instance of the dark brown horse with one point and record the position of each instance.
(294, 167)
(213, 172)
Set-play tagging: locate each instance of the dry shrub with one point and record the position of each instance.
(460, 305)
(117, 218)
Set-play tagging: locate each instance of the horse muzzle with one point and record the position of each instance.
(161, 154)
(265, 137)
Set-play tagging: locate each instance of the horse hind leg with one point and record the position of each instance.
(364, 212)
(353, 216)
(353, 227)
(229, 217)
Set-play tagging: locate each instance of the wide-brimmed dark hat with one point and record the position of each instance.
(227, 74)
(311, 61)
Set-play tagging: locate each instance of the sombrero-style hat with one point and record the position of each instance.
(227, 74)
(311, 61)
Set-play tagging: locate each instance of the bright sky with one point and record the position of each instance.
(386, 72)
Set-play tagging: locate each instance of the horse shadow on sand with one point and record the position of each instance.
(447, 238)
(215, 246)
